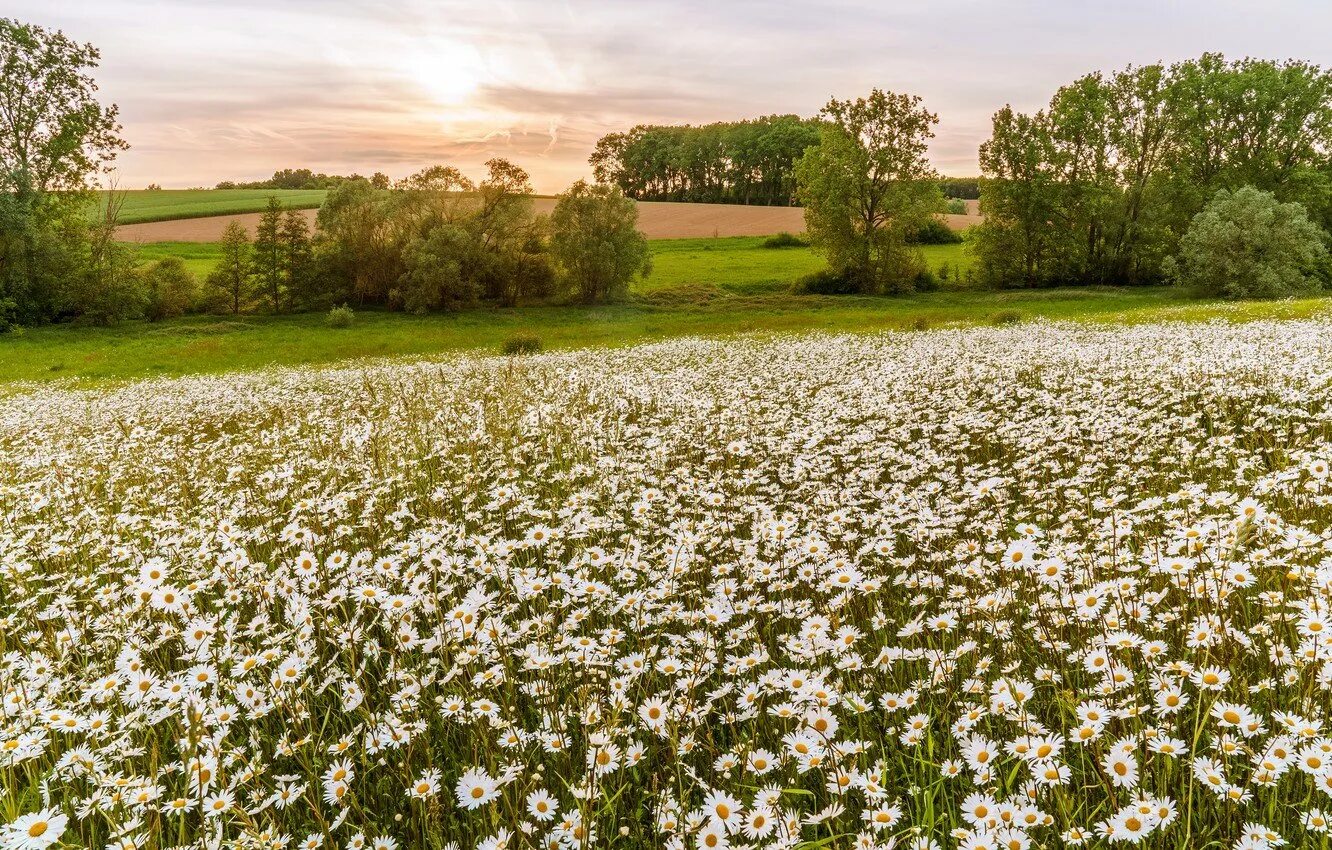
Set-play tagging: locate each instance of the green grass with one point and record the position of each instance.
(738, 265)
(199, 257)
(210, 344)
(167, 204)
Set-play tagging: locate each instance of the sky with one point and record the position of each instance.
(214, 90)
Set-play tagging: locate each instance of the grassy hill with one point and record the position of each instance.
(142, 205)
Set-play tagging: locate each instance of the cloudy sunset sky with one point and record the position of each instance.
(234, 89)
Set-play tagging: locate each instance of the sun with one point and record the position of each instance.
(448, 73)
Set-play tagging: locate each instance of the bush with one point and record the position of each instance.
(521, 343)
(1247, 244)
(340, 317)
(595, 241)
(1006, 317)
(785, 240)
(827, 282)
(956, 206)
(169, 289)
(935, 232)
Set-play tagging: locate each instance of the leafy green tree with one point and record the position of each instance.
(230, 282)
(867, 188)
(268, 262)
(169, 289)
(1100, 186)
(380, 180)
(300, 280)
(744, 162)
(440, 271)
(55, 138)
(360, 241)
(1247, 244)
(595, 241)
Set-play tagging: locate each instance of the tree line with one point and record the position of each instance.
(735, 162)
(304, 178)
(1103, 185)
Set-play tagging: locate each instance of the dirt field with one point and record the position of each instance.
(657, 220)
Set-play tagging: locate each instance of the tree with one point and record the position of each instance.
(1247, 244)
(744, 162)
(230, 282)
(379, 180)
(1101, 185)
(595, 241)
(268, 262)
(360, 239)
(469, 241)
(299, 278)
(867, 187)
(169, 289)
(55, 137)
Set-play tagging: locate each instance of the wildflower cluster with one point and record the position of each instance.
(997, 588)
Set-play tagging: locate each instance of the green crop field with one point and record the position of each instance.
(168, 204)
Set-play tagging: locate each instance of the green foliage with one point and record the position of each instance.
(741, 162)
(932, 231)
(826, 282)
(867, 187)
(964, 188)
(55, 139)
(1247, 244)
(437, 274)
(340, 317)
(1006, 317)
(438, 241)
(169, 289)
(268, 257)
(595, 242)
(955, 206)
(785, 240)
(296, 178)
(1101, 185)
(229, 287)
(521, 343)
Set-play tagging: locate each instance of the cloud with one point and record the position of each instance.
(233, 89)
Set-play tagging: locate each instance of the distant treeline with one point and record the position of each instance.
(730, 162)
(304, 178)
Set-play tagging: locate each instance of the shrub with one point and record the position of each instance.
(785, 240)
(1006, 317)
(935, 232)
(1247, 244)
(956, 206)
(340, 317)
(826, 282)
(521, 343)
(595, 241)
(169, 289)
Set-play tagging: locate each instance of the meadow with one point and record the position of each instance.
(90, 356)
(142, 205)
(1046, 585)
(737, 264)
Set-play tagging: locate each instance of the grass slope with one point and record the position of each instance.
(168, 204)
(209, 344)
(736, 265)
